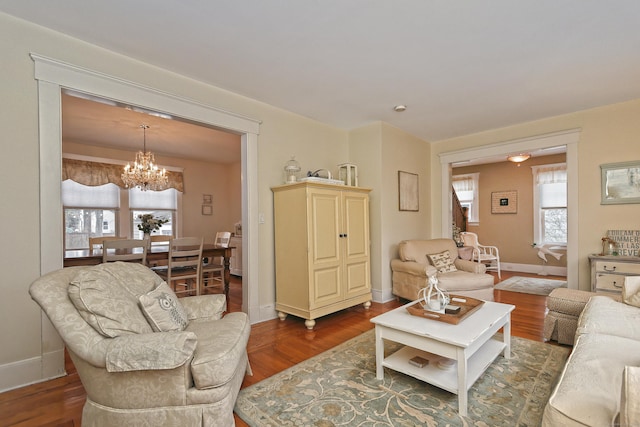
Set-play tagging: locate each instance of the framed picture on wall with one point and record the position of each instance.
(620, 183)
(408, 191)
(504, 202)
(207, 210)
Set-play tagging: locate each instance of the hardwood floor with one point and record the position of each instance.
(274, 345)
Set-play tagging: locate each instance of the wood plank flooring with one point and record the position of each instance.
(274, 345)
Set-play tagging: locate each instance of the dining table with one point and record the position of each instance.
(155, 253)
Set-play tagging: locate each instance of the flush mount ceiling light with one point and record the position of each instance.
(399, 108)
(519, 158)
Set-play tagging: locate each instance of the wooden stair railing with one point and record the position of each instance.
(459, 212)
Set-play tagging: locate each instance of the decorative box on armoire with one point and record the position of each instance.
(321, 248)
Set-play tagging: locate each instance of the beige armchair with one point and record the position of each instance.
(409, 271)
(111, 317)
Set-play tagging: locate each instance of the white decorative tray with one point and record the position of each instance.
(321, 180)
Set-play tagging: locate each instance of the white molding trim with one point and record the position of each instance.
(540, 270)
(52, 77)
(569, 138)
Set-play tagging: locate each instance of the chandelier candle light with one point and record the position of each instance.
(144, 173)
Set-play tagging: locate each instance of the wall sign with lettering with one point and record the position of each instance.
(627, 241)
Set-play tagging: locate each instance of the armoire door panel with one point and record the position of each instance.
(326, 287)
(357, 277)
(325, 224)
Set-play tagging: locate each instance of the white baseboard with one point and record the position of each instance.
(534, 269)
(31, 371)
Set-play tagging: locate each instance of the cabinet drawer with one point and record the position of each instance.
(618, 267)
(609, 282)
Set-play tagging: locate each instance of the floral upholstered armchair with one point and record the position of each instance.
(144, 356)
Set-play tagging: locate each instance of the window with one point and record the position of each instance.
(95, 211)
(466, 187)
(89, 212)
(550, 204)
(161, 204)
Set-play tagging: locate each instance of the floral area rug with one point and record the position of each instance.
(339, 388)
(530, 285)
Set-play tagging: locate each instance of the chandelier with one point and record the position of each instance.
(144, 173)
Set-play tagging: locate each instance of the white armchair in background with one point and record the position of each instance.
(488, 255)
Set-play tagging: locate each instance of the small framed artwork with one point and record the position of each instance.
(408, 191)
(207, 199)
(620, 183)
(207, 210)
(504, 202)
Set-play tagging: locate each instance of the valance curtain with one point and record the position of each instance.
(552, 174)
(463, 183)
(95, 173)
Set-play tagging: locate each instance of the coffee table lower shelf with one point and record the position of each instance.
(446, 379)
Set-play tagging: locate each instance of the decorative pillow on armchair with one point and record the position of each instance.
(163, 310)
(442, 262)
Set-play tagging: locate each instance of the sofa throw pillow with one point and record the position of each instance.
(106, 303)
(631, 291)
(442, 262)
(163, 310)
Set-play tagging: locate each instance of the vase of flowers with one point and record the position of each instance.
(149, 224)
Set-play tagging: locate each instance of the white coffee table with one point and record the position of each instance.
(468, 346)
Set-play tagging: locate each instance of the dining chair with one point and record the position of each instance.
(96, 242)
(215, 264)
(129, 250)
(184, 265)
(160, 239)
(482, 254)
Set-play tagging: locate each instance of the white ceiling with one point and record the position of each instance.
(459, 66)
(102, 123)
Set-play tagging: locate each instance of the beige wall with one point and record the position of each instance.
(380, 151)
(608, 134)
(511, 233)
(222, 181)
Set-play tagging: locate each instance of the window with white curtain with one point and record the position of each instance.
(550, 204)
(89, 211)
(466, 187)
(94, 211)
(161, 204)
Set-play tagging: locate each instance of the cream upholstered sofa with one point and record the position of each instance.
(600, 384)
(409, 271)
(111, 318)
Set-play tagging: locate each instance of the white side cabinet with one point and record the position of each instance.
(235, 262)
(322, 251)
(608, 271)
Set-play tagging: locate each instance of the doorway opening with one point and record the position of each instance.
(566, 140)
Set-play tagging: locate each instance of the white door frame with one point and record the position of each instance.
(569, 139)
(53, 76)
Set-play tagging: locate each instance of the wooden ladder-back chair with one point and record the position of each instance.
(184, 267)
(96, 242)
(129, 250)
(215, 265)
(483, 254)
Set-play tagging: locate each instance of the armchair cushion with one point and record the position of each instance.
(150, 351)
(205, 307)
(442, 262)
(220, 345)
(163, 310)
(106, 303)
